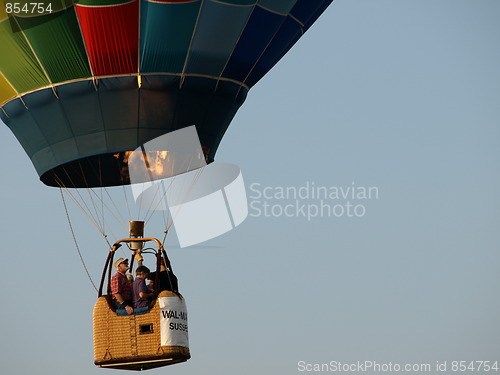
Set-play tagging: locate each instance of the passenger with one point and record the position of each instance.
(121, 288)
(140, 291)
(150, 285)
(168, 281)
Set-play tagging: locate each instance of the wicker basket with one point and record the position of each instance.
(132, 342)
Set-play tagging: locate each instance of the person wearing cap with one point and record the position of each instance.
(121, 289)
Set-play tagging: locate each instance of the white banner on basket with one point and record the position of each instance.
(173, 322)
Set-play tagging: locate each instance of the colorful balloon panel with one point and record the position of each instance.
(56, 41)
(166, 34)
(111, 36)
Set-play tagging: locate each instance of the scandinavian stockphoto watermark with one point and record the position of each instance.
(310, 200)
(170, 173)
(395, 367)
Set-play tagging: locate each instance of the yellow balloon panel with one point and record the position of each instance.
(6, 90)
(3, 12)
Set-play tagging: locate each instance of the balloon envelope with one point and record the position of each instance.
(93, 79)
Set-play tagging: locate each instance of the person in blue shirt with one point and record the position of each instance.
(140, 292)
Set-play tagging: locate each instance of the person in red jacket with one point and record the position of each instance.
(121, 289)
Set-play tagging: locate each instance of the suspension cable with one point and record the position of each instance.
(74, 239)
(152, 209)
(126, 200)
(164, 238)
(77, 202)
(197, 176)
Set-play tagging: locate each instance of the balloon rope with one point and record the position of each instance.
(140, 203)
(189, 190)
(82, 204)
(151, 209)
(126, 201)
(96, 211)
(115, 212)
(74, 239)
(164, 238)
(77, 202)
(102, 199)
(103, 218)
(85, 210)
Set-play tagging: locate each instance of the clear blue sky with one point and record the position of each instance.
(394, 94)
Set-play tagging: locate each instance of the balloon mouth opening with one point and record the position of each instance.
(104, 170)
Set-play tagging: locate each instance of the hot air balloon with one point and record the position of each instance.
(84, 83)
